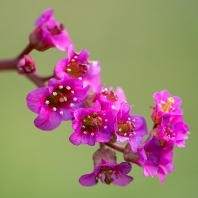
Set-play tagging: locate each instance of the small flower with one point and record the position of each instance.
(56, 102)
(49, 33)
(26, 65)
(78, 66)
(166, 105)
(130, 128)
(173, 130)
(155, 159)
(110, 99)
(107, 172)
(92, 125)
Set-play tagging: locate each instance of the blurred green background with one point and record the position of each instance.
(144, 46)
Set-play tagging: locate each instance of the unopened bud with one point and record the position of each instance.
(26, 65)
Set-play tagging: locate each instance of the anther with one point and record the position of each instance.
(129, 118)
(105, 127)
(80, 78)
(60, 87)
(61, 100)
(75, 57)
(61, 112)
(72, 60)
(125, 134)
(75, 99)
(92, 134)
(72, 105)
(65, 98)
(47, 102)
(54, 93)
(72, 92)
(68, 69)
(68, 87)
(120, 129)
(85, 132)
(83, 126)
(106, 120)
(113, 107)
(54, 109)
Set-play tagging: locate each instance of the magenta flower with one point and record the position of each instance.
(78, 66)
(110, 99)
(130, 128)
(56, 102)
(49, 33)
(155, 159)
(92, 125)
(173, 130)
(166, 104)
(108, 173)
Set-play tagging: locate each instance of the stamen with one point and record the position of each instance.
(47, 102)
(72, 105)
(60, 87)
(75, 57)
(83, 126)
(105, 127)
(75, 99)
(92, 134)
(72, 92)
(61, 112)
(120, 129)
(61, 100)
(54, 93)
(106, 120)
(72, 60)
(54, 109)
(68, 87)
(85, 132)
(65, 98)
(80, 78)
(68, 69)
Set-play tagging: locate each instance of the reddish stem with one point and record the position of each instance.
(116, 146)
(8, 64)
(26, 51)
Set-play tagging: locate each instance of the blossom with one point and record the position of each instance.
(155, 159)
(56, 102)
(92, 125)
(49, 33)
(78, 66)
(130, 128)
(26, 65)
(173, 130)
(166, 104)
(110, 99)
(107, 170)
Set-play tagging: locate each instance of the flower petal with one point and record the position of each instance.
(88, 180)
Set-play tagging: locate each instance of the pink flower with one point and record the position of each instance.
(155, 159)
(92, 125)
(107, 170)
(110, 99)
(78, 66)
(49, 33)
(173, 130)
(130, 128)
(56, 102)
(166, 105)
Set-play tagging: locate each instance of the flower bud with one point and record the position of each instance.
(129, 155)
(26, 65)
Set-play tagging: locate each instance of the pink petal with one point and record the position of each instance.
(88, 180)
(47, 120)
(122, 179)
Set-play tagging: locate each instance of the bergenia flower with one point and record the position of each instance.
(155, 159)
(56, 102)
(78, 66)
(173, 130)
(166, 105)
(92, 125)
(107, 172)
(110, 99)
(49, 33)
(130, 128)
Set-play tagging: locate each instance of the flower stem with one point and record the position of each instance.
(8, 64)
(102, 145)
(116, 146)
(26, 51)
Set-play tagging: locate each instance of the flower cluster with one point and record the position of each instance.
(98, 114)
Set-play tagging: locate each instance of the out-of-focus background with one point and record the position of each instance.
(144, 47)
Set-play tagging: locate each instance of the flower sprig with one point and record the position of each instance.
(98, 114)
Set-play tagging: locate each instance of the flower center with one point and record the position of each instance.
(168, 131)
(107, 171)
(60, 98)
(167, 106)
(75, 68)
(91, 123)
(109, 94)
(126, 128)
(56, 30)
